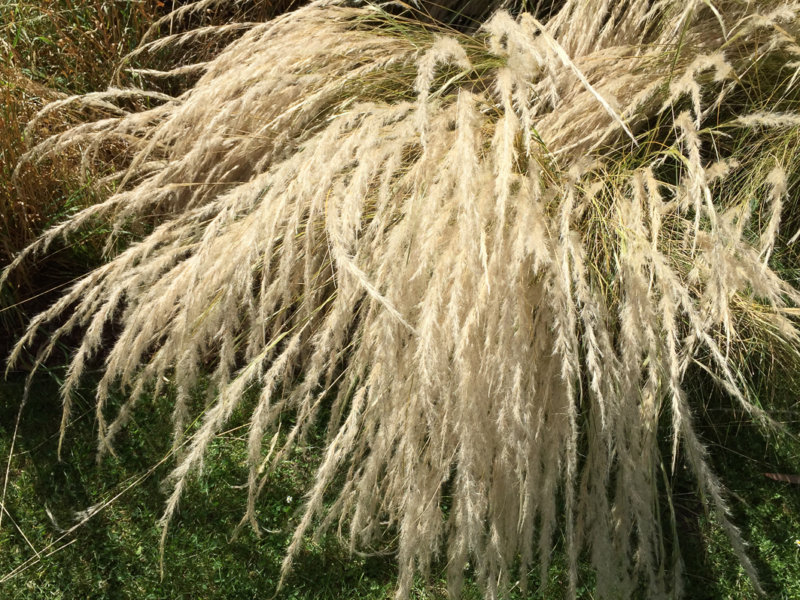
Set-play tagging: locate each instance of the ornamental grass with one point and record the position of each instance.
(484, 263)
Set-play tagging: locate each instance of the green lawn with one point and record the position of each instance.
(115, 554)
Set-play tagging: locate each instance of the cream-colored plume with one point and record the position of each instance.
(484, 263)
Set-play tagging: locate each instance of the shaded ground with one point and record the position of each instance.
(115, 554)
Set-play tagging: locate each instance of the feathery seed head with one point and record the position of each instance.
(493, 258)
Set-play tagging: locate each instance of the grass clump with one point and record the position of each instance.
(48, 51)
(71, 46)
(486, 263)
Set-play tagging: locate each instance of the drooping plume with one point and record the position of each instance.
(485, 262)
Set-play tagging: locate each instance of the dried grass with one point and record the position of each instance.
(485, 263)
(28, 203)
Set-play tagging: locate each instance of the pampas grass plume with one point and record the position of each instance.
(484, 263)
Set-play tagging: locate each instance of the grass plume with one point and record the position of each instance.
(485, 261)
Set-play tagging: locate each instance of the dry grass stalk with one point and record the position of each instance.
(487, 260)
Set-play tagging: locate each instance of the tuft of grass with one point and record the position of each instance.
(49, 50)
(71, 46)
(488, 264)
(31, 201)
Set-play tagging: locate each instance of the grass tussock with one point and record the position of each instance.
(49, 50)
(39, 196)
(68, 45)
(485, 262)
(21, 99)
